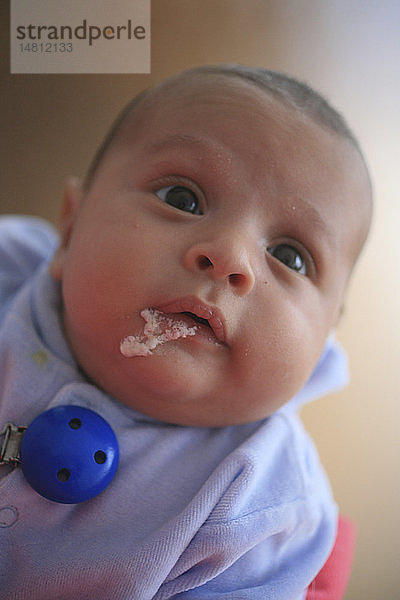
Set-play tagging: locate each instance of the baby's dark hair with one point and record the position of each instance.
(292, 92)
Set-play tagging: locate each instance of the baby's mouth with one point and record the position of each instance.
(159, 328)
(209, 319)
(202, 326)
(197, 319)
(162, 327)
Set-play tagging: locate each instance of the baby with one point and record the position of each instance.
(191, 301)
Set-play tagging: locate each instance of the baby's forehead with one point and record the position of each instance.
(193, 101)
(188, 100)
(187, 90)
(217, 108)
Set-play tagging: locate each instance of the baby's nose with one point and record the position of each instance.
(223, 260)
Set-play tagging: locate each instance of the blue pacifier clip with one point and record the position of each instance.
(68, 454)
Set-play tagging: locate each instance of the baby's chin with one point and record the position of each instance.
(175, 394)
(170, 385)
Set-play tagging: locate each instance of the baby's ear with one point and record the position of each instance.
(72, 200)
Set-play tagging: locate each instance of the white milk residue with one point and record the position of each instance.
(158, 329)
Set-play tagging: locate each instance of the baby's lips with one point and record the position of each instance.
(159, 328)
(191, 304)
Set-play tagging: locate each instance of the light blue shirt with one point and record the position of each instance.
(241, 512)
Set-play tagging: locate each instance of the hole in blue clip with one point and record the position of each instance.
(63, 475)
(100, 457)
(75, 423)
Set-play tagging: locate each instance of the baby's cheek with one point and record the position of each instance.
(279, 359)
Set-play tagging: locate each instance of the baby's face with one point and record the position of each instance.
(223, 203)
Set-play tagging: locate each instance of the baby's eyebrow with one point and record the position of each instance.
(313, 214)
(179, 141)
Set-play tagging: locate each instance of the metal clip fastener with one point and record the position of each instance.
(13, 435)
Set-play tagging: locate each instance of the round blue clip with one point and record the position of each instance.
(69, 454)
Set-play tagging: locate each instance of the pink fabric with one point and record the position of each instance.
(331, 581)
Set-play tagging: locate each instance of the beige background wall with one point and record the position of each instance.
(348, 49)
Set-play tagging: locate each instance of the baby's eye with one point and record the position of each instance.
(289, 256)
(180, 197)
